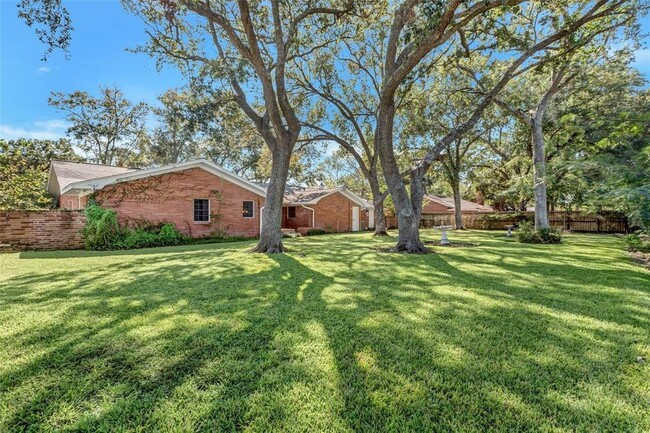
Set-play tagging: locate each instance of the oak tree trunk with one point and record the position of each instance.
(458, 214)
(408, 218)
(539, 173)
(378, 202)
(271, 232)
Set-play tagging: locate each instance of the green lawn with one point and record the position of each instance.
(331, 337)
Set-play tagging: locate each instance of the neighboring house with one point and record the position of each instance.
(436, 204)
(201, 198)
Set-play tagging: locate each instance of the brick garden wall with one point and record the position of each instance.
(41, 230)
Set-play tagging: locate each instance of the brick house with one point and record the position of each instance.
(201, 198)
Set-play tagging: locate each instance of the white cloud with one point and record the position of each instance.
(45, 130)
(43, 70)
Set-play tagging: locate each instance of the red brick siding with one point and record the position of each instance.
(170, 198)
(303, 218)
(72, 201)
(334, 214)
(42, 230)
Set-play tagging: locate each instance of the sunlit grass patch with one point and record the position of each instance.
(330, 337)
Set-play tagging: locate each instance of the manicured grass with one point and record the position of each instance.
(331, 337)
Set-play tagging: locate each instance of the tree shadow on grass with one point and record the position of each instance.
(202, 341)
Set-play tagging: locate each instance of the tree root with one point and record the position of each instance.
(265, 249)
(410, 249)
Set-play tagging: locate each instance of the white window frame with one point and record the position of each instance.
(252, 216)
(193, 211)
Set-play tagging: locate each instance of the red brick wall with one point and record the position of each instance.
(72, 201)
(334, 214)
(169, 198)
(41, 230)
(303, 218)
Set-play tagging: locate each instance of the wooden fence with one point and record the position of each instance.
(609, 222)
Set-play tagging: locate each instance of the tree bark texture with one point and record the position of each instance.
(271, 232)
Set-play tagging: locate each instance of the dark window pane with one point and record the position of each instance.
(248, 209)
(201, 210)
(292, 212)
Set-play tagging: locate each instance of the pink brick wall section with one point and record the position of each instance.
(334, 214)
(72, 201)
(170, 198)
(41, 230)
(303, 218)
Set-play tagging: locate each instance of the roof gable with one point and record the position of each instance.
(90, 185)
(465, 205)
(306, 196)
(64, 173)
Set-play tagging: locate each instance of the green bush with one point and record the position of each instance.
(527, 234)
(102, 229)
(635, 242)
(315, 232)
(103, 232)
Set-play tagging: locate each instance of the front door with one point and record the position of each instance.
(355, 218)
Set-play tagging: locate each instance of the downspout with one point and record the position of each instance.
(261, 215)
(313, 216)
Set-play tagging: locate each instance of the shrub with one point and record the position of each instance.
(103, 232)
(215, 240)
(102, 229)
(635, 242)
(527, 234)
(315, 232)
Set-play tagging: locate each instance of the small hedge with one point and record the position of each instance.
(103, 232)
(635, 242)
(316, 232)
(527, 234)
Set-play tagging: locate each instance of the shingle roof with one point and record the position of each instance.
(69, 172)
(307, 194)
(465, 205)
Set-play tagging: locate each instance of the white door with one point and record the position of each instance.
(355, 218)
(371, 218)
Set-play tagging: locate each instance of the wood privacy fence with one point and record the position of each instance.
(608, 222)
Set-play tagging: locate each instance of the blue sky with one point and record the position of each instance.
(98, 56)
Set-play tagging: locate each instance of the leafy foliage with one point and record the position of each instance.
(103, 232)
(51, 22)
(109, 127)
(23, 171)
(636, 242)
(527, 234)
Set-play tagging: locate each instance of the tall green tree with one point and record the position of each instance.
(249, 46)
(108, 128)
(434, 29)
(24, 168)
(179, 117)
